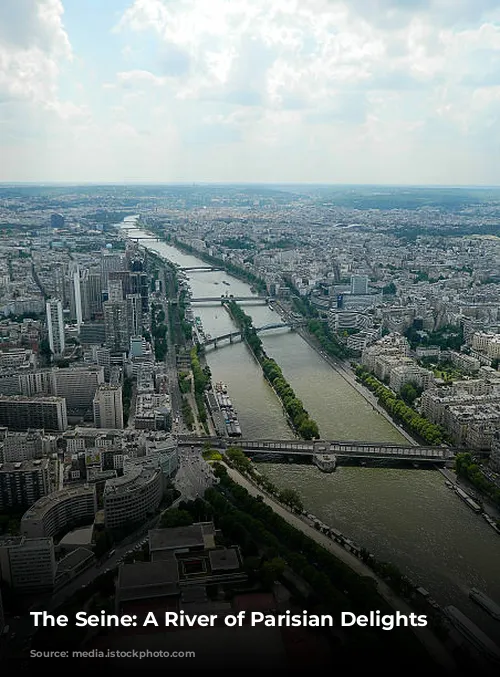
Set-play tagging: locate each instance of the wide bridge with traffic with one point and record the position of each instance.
(231, 336)
(350, 449)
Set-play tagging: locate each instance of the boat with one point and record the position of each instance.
(227, 410)
(473, 634)
(467, 499)
(228, 284)
(485, 602)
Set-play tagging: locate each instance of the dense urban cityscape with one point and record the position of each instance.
(129, 316)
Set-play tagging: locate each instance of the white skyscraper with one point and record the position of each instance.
(78, 296)
(55, 326)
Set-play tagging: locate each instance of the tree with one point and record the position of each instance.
(271, 571)
(291, 498)
(175, 518)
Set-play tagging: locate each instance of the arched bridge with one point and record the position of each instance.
(358, 450)
(231, 336)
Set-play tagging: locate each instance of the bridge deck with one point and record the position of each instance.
(349, 449)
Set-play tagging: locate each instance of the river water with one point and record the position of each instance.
(404, 516)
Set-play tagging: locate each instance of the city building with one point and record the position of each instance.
(26, 446)
(77, 296)
(116, 325)
(153, 411)
(495, 452)
(22, 413)
(134, 314)
(55, 326)
(359, 284)
(108, 407)
(134, 497)
(60, 512)
(24, 482)
(28, 564)
(57, 221)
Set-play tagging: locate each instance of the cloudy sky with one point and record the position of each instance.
(362, 91)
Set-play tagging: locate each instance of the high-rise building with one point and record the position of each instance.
(91, 294)
(57, 221)
(115, 290)
(28, 564)
(134, 314)
(76, 295)
(112, 261)
(116, 325)
(23, 483)
(55, 326)
(77, 385)
(108, 407)
(359, 284)
(22, 413)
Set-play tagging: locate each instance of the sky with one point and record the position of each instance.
(305, 91)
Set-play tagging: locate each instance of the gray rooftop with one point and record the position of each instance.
(224, 560)
(176, 537)
(147, 579)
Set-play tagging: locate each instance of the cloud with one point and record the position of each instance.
(269, 87)
(34, 47)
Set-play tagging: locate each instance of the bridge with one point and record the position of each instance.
(200, 269)
(214, 340)
(141, 239)
(227, 299)
(313, 448)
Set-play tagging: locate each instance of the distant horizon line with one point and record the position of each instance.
(244, 183)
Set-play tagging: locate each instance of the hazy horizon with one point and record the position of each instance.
(156, 92)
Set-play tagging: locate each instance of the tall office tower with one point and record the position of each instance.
(359, 284)
(139, 283)
(76, 295)
(134, 314)
(124, 277)
(55, 326)
(111, 261)
(116, 325)
(57, 221)
(59, 283)
(108, 407)
(91, 294)
(115, 290)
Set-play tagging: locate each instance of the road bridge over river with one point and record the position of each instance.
(227, 299)
(231, 336)
(350, 449)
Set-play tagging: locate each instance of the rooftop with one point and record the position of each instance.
(193, 536)
(44, 504)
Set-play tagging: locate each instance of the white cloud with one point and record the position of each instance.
(361, 90)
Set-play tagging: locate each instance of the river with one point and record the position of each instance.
(404, 516)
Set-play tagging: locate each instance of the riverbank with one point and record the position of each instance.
(433, 646)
